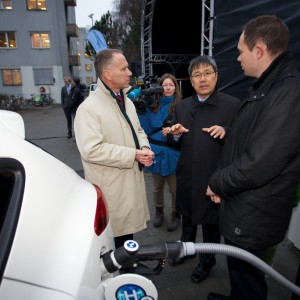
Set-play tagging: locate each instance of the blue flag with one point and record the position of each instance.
(97, 40)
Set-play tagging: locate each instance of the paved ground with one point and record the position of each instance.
(47, 128)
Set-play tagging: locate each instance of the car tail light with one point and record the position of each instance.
(101, 216)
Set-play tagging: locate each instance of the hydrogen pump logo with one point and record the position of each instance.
(131, 246)
(131, 292)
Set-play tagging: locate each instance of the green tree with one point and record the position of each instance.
(127, 27)
(121, 29)
(105, 26)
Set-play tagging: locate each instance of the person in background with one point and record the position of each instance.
(66, 103)
(156, 121)
(202, 120)
(114, 147)
(256, 182)
(77, 95)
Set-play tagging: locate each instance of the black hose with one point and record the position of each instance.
(122, 257)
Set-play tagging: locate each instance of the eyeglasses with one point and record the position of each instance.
(205, 75)
(168, 85)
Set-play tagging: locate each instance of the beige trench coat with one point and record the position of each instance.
(107, 150)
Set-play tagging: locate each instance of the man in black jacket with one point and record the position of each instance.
(259, 170)
(77, 95)
(202, 119)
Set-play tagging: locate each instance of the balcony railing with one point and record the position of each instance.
(72, 30)
(74, 60)
(70, 3)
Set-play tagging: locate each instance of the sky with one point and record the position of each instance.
(86, 7)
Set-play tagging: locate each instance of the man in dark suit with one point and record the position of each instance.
(201, 121)
(66, 103)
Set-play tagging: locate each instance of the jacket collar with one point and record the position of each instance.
(273, 72)
(167, 99)
(212, 99)
(106, 90)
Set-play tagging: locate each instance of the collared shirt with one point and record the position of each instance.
(69, 88)
(201, 99)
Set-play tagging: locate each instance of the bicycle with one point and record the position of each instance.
(17, 101)
(5, 102)
(46, 98)
(43, 99)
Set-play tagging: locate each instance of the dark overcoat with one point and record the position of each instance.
(199, 152)
(260, 166)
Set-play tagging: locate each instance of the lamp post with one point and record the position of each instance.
(91, 16)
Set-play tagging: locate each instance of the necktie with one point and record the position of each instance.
(121, 101)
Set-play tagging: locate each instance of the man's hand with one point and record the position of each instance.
(165, 131)
(215, 131)
(145, 157)
(214, 197)
(177, 129)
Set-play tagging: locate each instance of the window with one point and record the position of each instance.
(36, 5)
(88, 67)
(7, 39)
(6, 4)
(12, 182)
(43, 76)
(40, 40)
(11, 77)
(89, 80)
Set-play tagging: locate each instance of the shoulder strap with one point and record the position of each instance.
(136, 141)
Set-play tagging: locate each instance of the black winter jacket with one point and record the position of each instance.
(77, 97)
(260, 163)
(200, 153)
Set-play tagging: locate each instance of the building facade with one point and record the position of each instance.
(36, 46)
(85, 71)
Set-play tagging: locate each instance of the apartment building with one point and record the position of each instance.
(36, 46)
(85, 71)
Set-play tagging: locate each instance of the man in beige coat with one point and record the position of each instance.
(112, 154)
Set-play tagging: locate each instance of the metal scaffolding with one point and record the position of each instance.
(207, 27)
(146, 36)
(173, 60)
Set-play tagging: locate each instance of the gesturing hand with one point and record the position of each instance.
(177, 129)
(215, 131)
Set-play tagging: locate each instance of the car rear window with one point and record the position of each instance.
(12, 182)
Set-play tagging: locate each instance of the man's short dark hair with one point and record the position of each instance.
(268, 29)
(202, 60)
(76, 80)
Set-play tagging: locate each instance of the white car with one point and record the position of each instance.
(54, 225)
(93, 86)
